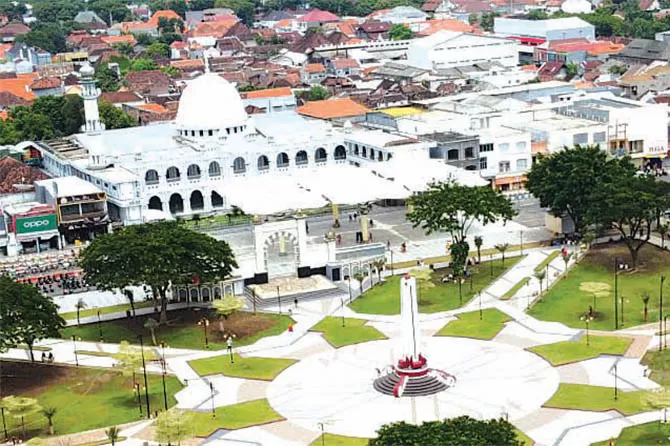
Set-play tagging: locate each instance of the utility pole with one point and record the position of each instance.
(146, 383)
(660, 314)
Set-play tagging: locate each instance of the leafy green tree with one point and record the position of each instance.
(501, 248)
(128, 359)
(125, 48)
(400, 32)
(26, 316)
(453, 208)
(144, 39)
(629, 204)
(32, 126)
(488, 21)
(540, 275)
(172, 25)
(9, 134)
(156, 254)
(379, 266)
(537, 14)
(178, 6)
(171, 71)
(244, 9)
(168, 38)
(48, 36)
(158, 50)
(460, 431)
(564, 181)
(117, 8)
(13, 11)
(226, 307)
(20, 407)
(173, 426)
(360, 277)
(143, 64)
(55, 11)
(115, 118)
(663, 231)
(478, 243)
(106, 78)
(318, 93)
(571, 69)
(49, 413)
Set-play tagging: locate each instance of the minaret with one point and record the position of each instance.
(90, 94)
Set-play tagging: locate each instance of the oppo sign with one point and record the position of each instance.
(26, 225)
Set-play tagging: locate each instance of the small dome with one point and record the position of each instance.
(210, 102)
(87, 70)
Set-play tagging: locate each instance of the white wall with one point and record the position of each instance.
(461, 50)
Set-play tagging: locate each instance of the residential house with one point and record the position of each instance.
(430, 27)
(401, 73)
(288, 58)
(270, 100)
(649, 5)
(643, 51)
(119, 98)
(148, 83)
(402, 15)
(128, 39)
(344, 67)
(271, 18)
(89, 20)
(338, 110)
(51, 86)
(574, 50)
(206, 15)
(149, 113)
(316, 18)
(373, 30)
(314, 73)
(16, 90)
(12, 30)
(641, 80)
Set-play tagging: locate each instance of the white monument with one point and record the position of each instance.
(411, 376)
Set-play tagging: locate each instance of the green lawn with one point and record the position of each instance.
(353, 332)
(149, 353)
(550, 258)
(515, 289)
(596, 399)
(653, 433)
(72, 315)
(248, 367)
(183, 330)
(659, 364)
(569, 299)
(468, 325)
(385, 298)
(101, 442)
(85, 398)
(339, 440)
(572, 351)
(237, 416)
(523, 438)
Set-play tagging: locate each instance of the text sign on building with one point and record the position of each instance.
(26, 225)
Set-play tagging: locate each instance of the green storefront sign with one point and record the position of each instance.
(27, 225)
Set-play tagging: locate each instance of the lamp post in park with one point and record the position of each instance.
(146, 383)
(204, 322)
(660, 314)
(617, 267)
(587, 318)
(164, 369)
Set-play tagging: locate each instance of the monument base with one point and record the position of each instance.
(410, 381)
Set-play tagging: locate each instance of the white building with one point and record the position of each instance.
(448, 49)
(402, 15)
(550, 29)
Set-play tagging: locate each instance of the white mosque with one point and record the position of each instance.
(214, 157)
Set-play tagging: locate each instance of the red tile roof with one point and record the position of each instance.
(46, 83)
(318, 16)
(120, 97)
(18, 87)
(315, 68)
(341, 64)
(269, 93)
(333, 108)
(164, 13)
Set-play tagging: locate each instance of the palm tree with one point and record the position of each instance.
(478, 243)
(49, 413)
(502, 247)
(645, 301)
(539, 275)
(379, 265)
(359, 276)
(112, 434)
(151, 325)
(566, 258)
(589, 237)
(663, 231)
(80, 305)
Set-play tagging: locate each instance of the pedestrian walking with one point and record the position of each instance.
(229, 343)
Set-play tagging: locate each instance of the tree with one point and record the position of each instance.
(400, 32)
(106, 78)
(113, 434)
(461, 431)
(379, 266)
(49, 412)
(589, 237)
(318, 93)
(48, 36)
(151, 325)
(131, 299)
(54, 12)
(536, 14)
(487, 21)
(571, 69)
(645, 301)
(26, 316)
(566, 256)
(144, 39)
(158, 255)
(173, 426)
(564, 181)
(663, 231)
(143, 64)
(502, 247)
(128, 359)
(226, 307)
(478, 243)
(244, 9)
(453, 208)
(629, 204)
(540, 275)
(80, 305)
(158, 50)
(115, 118)
(20, 407)
(360, 277)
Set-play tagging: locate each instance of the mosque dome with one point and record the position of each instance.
(87, 70)
(210, 102)
(576, 7)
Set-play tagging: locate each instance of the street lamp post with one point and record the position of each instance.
(146, 383)
(342, 308)
(163, 363)
(205, 323)
(616, 389)
(391, 251)
(136, 388)
(521, 245)
(349, 278)
(587, 319)
(491, 264)
(74, 346)
(211, 393)
(622, 299)
(99, 327)
(617, 267)
(278, 300)
(660, 313)
(481, 316)
(665, 332)
(4, 424)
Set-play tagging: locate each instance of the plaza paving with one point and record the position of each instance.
(334, 386)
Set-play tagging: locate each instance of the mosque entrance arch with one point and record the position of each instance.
(281, 254)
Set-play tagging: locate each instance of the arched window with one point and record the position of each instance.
(155, 203)
(364, 152)
(176, 204)
(217, 200)
(193, 172)
(389, 156)
(214, 169)
(320, 156)
(172, 174)
(239, 165)
(151, 177)
(340, 153)
(372, 154)
(380, 156)
(197, 201)
(282, 160)
(301, 158)
(356, 152)
(263, 163)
